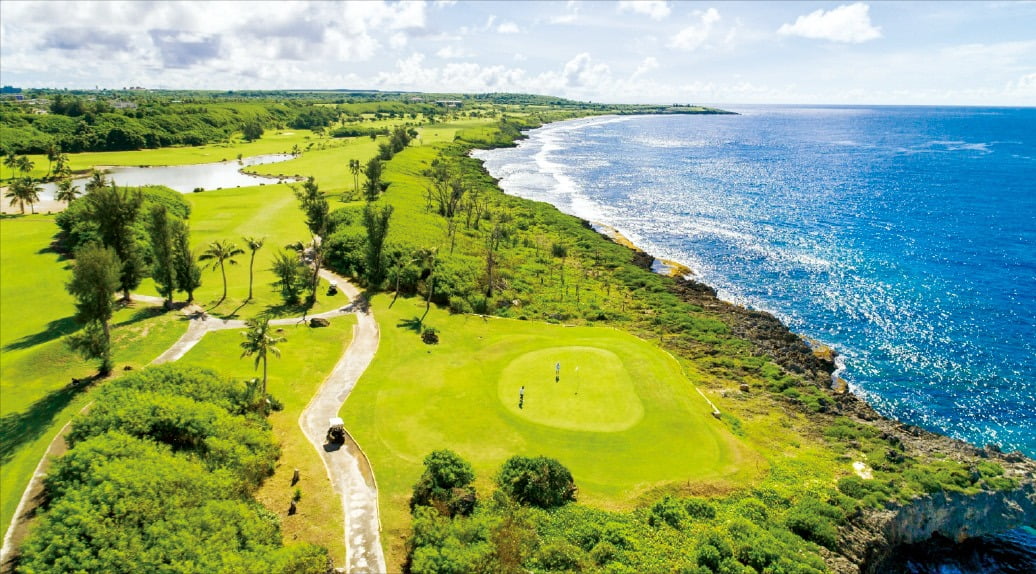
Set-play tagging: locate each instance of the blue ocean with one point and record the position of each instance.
(903, 237)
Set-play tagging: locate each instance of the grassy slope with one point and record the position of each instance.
(280, 141)
(35, 366)
(417, 398)
(269, 211)
(307, 357)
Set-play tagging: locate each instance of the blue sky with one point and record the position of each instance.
(973, 53)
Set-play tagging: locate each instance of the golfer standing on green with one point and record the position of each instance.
(557, 371)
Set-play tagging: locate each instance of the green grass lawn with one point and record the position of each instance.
(307, 357)
(330, 166)
(35, 366)
(273, 141)
(269, 211)
(622, 416)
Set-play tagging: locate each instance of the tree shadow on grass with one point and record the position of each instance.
(55, 248)
(414, 324)
(142, 314)
(287, 310)
(54, 330)
(18, 429)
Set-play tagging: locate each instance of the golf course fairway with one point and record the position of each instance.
(622, 415)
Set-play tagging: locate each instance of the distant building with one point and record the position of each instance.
(120, 105)
(450, 103)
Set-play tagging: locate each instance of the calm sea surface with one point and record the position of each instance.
(904, 237)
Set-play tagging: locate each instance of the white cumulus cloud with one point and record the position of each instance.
(452, 53)
(508, 28)
(1024, 86)
(648, 64)
(849, 23)
(654, 9)
(694, 36)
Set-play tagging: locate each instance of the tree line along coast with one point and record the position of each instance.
(474, 292)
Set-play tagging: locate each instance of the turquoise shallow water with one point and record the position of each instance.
(904, 237)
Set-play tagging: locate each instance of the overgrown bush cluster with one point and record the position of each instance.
(525, 525)
(161, 473)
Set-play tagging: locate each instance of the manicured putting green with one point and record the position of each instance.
(636, 424)
(577, 388)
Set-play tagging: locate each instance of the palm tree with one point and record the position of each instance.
(253, 246)
(11, 162)
(25, 165)
(260, 343)
(66, 191)
(61, 165)
(354, 167)
(220, 252)
(23, 191)
(428, 259)
(97, 181)
(53, 152)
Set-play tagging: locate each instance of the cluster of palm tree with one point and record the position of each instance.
(26, 190)
(22, 189)
(223, 252)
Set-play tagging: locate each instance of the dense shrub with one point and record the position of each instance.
(539, 481)
(161, 471)
(667, 511)
(815, 521)
(445, 484)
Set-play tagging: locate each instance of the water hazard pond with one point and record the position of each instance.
(185, 178)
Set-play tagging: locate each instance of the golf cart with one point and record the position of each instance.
(336, 431)
(333, 288)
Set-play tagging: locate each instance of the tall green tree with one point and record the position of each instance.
(318, 220)
(254, 244)
(314, 205)
(290, 273)
(66, 190)
(188, 273)
(115, 212)
(95, 278)
(221, 253)
(354, 168)
(11, 162)
(372, 187)
(260, 343)
(53, 153)
(24, 190)
(252, 130)
(61, 165)
(376, 222)
(164, 252)
(429, 260)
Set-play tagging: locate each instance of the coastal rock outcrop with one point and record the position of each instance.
(869, 542)
(872, 537)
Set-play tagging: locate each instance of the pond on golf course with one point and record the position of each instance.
(184, 178)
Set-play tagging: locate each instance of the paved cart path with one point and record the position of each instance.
(347, 467)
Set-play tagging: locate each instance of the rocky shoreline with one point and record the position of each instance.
(871, 538)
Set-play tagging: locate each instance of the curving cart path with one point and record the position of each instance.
(347, 466)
